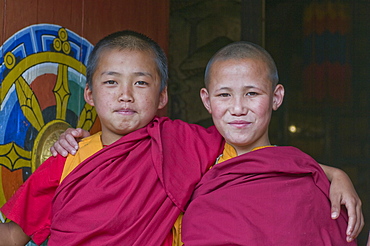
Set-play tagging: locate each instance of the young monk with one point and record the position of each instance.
(130, 192)
(256, 193)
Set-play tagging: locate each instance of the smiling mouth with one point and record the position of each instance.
(239, 123)
(125, 111)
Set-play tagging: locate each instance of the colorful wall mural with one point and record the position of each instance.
(43, 78)
(42, 75)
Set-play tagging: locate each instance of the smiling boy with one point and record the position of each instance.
(122, 105)
(232, 84)
(131, 191)
(256, 194)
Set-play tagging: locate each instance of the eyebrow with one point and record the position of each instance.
(135, 73)
(143, 74)
(229, 88)
(223, 88)
(109, 73)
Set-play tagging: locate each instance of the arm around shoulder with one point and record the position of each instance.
(342, 192)
(68, 142)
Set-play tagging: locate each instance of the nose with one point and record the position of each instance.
(238, 107)
(125, 94)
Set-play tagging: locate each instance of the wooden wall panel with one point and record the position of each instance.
(67, 13)
(17, 15)
(90, 19)
(2, 8)
(143, 16)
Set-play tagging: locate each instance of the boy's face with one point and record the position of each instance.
(126, 92)
(240, 98)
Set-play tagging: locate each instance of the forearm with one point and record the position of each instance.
(332, 172)
(12, 234)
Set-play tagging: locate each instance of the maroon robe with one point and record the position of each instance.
(131, 192)
(273, 196)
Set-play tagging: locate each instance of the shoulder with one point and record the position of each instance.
(180, 126)
(95, 138)
(52, 168)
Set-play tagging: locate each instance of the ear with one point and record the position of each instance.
(163, 98)
(88, 95)
(278, 96)
(204, 95)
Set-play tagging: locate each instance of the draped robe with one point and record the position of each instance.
(131, 192)
(271, 196)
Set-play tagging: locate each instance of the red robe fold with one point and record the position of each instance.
(131, 192)
(272, 196)
(30, 206)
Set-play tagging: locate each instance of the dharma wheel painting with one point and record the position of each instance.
(42, 74)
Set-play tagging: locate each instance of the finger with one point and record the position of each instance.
(335, 206)
(356, 219)
(84, 133)
(334, 212)
(350, 227)
(360, 222)
(353, 219)
(64, 145)
(70, 142)
(70, 131)
(77, 133)
(53, 151)
(59, 149)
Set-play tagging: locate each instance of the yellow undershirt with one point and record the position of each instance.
(230, 152)
(87, 147)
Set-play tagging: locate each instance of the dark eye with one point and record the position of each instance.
(223, 95)
(141, 83)
(110, 82)
(252, 94)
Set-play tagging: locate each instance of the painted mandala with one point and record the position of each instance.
(42, 73)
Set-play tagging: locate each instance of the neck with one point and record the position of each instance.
(248, 148)
(108, 139)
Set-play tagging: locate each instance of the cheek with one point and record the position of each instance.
(112, 95)
(264, 111)
(217, 110)
(262, 106)
(102, 102)
(148, 102)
